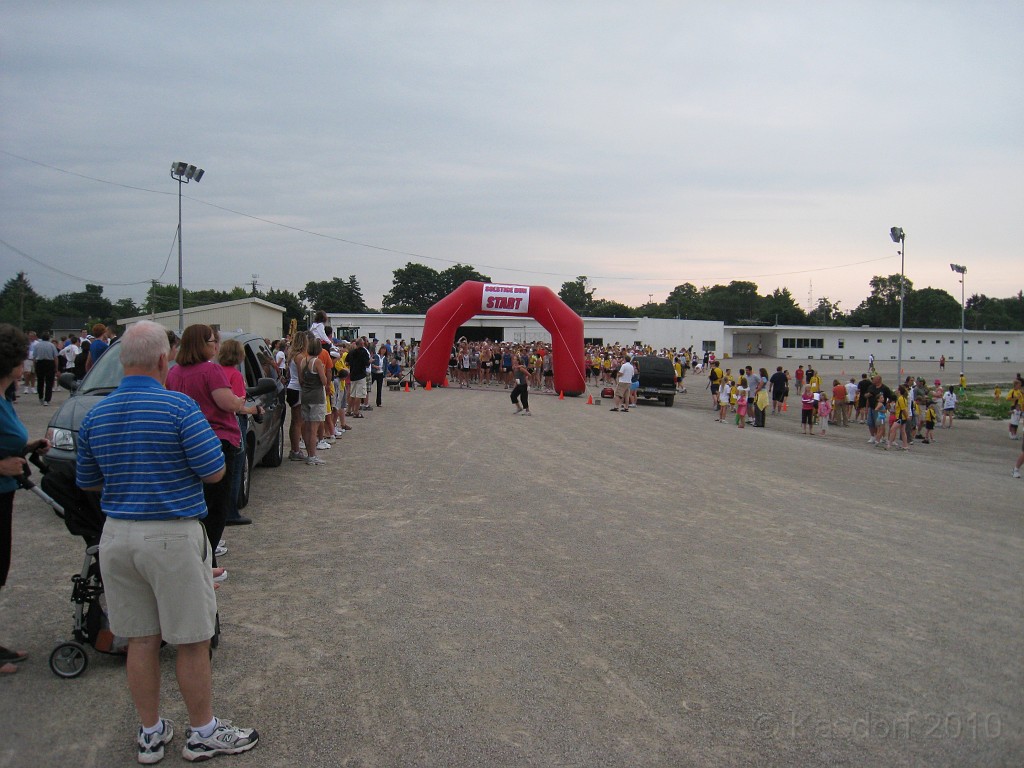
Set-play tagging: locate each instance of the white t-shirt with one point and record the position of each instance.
(948, 401)
(70, 352)
(851, 392)
(626, 373)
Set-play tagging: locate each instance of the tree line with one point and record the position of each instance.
(416, 287)
(739, 303)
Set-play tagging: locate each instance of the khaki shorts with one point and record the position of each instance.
(622, 389)
(358, 388)
(157, 579)
(315, 412)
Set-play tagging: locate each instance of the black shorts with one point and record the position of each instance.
(807, 416)
(292, 397)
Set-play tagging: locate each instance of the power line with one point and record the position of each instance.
(395, 251)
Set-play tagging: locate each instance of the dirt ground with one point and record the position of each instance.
(459, 586)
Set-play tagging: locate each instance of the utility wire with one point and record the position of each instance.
(385, 249)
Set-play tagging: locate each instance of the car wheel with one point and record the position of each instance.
(669, 400)
(275, 455)
(243, 491)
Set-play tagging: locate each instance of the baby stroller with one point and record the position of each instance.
(83, 517)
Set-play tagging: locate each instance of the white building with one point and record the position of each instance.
(701, 334)
(802, 342)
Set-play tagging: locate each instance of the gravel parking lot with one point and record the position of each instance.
(459, 586)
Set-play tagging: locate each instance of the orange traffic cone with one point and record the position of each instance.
(407, 386)
(428, 385)
(590, 400)
(445, 382)
(785, 406)
(561, 395)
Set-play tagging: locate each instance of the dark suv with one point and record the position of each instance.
(657, 378)
(264, 442)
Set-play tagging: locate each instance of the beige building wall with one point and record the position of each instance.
(242, 315)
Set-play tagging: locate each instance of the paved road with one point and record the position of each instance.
(464, 587)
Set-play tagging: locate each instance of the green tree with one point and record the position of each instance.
(334, 295)
(931, 308)
(733, 303)
(882, 307)
(578, 295)
(609, 308)
(451, 278)
(415, 289)
(22, 307)
(826, 313)
(686, 303)
(125, 308)
(90, 304)
(294, 309)
(780, 309)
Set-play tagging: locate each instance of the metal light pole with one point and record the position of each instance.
(183, 173)
(898, 236)
(962, 271)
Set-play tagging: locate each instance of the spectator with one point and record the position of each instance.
(623, 385)
(46, 368)
(100, 341)
(313, 379)
(296, 354)
(229, 356)
(13, 446)
(197, 376)
(171, 596)
(521, 391)
(358, 361)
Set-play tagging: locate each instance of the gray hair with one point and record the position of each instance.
(142, 345)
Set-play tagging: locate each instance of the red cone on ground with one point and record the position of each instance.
(590, 400)
(428, 385)
(561, 395)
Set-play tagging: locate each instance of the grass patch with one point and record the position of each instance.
(977, 402)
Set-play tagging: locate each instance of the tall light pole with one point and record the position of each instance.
(962, 271)
(898, 236)
(183, 173)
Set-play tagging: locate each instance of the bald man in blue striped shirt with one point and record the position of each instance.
(149, 451)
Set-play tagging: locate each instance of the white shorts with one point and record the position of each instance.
(358, 388)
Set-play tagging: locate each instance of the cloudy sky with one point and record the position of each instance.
(644, 144)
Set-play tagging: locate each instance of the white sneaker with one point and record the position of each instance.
(227, 739)
(872, 441)
(151, 747)
(315, 461)
(222, 576)
(221, 549)
(1015, 473)
(323, 445)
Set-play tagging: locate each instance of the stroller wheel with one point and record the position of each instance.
(68, 660)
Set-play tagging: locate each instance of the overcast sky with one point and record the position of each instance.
(642, 144)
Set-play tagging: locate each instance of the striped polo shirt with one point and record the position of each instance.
(149, 447)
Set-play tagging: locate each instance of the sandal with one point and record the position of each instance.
(8, 656)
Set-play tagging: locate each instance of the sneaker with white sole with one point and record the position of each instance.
(1015, 473)
(226, 739)
(222, 576)
(221, 549)
(315, 461)
(151, 746)
(297, 456)
(323, 445)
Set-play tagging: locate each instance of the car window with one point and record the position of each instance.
(106, 374)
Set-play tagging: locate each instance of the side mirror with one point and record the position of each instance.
(68, 381)
(263, 387)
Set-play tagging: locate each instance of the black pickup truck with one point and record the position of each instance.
(657, 378)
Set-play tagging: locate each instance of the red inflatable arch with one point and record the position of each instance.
(472, 298)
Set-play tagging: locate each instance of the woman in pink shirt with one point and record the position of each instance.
(197, 376)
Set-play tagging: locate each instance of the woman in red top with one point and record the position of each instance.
(197, 376)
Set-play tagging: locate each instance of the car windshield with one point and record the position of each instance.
(106, 374)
